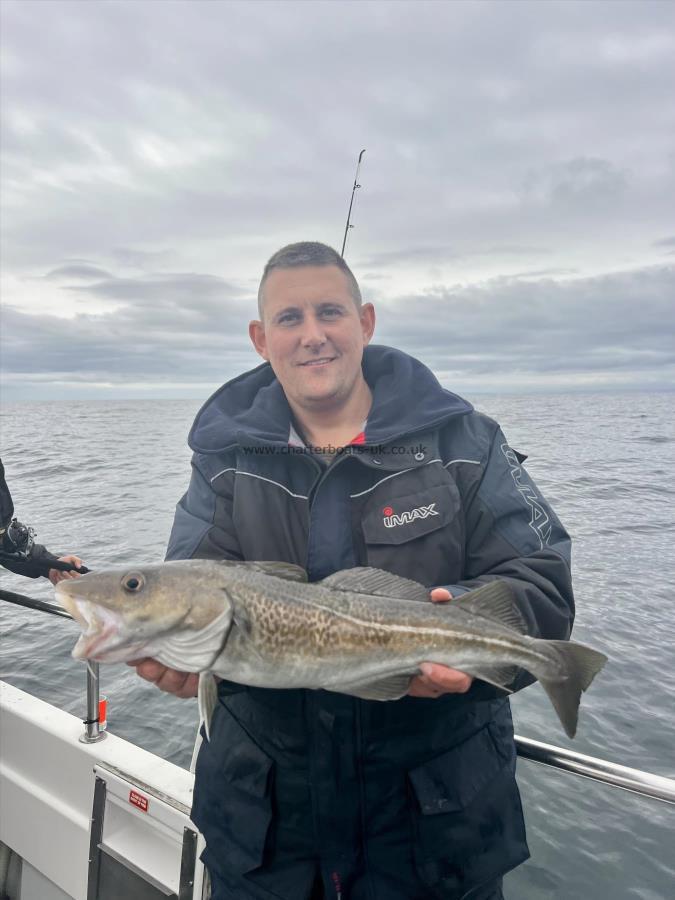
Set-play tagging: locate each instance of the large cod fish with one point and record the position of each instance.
(361, 631)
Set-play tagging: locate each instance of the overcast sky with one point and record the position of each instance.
(515, 228)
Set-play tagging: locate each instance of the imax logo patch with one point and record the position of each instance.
(392, 519)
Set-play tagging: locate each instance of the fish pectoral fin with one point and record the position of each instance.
(285, 570)
(392, 688)
(366, 580)
(494, 601)
(207, 699)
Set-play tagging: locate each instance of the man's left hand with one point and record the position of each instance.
(435, 679)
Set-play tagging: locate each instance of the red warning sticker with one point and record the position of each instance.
(138, 800)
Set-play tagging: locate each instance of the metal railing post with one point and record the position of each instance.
(92, 730)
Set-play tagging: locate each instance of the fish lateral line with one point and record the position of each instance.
(437, 630)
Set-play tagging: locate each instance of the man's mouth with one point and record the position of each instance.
(321, 361)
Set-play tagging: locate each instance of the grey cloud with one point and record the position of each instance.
(130, 344)
(168, 327)
(506, 329)
(439, 254)
(134, 128)
(82, 271)
(409, 255)
(665, 242)
(575, 181)
(616, 322)
(544, 273)
(520, 138)
(142, 259)
(175, 287)
(512, 250)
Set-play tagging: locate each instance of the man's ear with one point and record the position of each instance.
(256, 331)
(367, 317)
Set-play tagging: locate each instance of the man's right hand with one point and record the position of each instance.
(436, 680)
(182, 684)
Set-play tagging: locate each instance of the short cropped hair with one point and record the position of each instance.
(308, 253)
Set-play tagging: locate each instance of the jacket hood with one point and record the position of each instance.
(252, 408)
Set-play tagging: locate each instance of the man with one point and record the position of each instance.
(18, 551)
(305, 794)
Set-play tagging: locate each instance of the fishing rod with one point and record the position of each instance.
(351, 203)
(32, 603)
(59, 564)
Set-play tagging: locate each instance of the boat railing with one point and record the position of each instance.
(657, 787)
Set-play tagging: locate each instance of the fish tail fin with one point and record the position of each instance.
(581, 664)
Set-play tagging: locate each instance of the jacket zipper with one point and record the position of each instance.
(358, 735)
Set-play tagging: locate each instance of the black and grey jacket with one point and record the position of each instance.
(435, 494)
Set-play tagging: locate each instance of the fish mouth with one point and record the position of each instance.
(100, 630)
(68, 601)
(103, 632)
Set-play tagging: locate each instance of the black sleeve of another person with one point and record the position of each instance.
(6, 505)
(38, 564)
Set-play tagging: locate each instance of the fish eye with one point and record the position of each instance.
(133, 582)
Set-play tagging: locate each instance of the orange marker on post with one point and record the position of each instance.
(102, 713)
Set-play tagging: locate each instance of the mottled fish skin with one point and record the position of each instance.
(361, 631)
(334, 637)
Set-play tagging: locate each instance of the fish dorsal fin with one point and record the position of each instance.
(366, 580)
(494, 601)
(287, 571)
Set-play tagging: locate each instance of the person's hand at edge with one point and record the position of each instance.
(56, 575)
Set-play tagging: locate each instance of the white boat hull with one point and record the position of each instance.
(138, 833)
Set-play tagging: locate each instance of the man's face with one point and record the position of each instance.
(313, 334)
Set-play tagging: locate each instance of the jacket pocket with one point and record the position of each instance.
(467, 817)
(416, 531)
(232, 804)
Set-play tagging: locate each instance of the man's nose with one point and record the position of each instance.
(313, 334)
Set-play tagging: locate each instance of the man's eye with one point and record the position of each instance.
(288, 318)
(331, 312)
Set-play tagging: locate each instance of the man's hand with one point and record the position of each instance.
(435, 679)
(182, 684)
(56, 575)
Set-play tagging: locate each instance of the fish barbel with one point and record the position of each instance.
(360, 631)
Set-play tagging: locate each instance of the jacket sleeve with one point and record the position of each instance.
(203, 526)
(6, 505)
(36, 565)
(513, 535)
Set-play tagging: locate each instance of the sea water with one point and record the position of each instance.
(101, 479)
